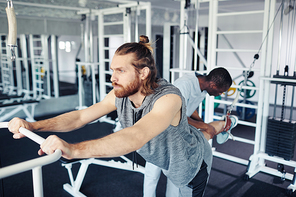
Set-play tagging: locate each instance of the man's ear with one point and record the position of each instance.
(144, 73)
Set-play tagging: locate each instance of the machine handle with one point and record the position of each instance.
(12, 27)
(31, 164)
(33, 136)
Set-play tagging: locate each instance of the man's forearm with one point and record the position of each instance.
(116, 144)
(195, 116)
(62, 123)
(197, 124)
(207, 129)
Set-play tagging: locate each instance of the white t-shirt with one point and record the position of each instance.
(188, 84)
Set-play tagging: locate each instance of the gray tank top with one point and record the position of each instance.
(178, 150)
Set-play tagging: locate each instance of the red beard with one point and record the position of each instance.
(129, 90)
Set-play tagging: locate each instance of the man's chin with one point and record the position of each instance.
(119, 94)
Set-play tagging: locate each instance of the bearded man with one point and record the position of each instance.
(152, 113)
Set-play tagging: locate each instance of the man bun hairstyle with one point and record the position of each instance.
(143, 57)
(145, 41)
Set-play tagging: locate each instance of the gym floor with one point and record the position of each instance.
(226, 179)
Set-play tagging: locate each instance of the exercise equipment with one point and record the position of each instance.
(13, 98)
(231, 91)
(12, 28)
(7, 75)
(250, 74)
(18, 106)
(74, 186)
(75, 183)
(281, 137)
(248, 112)
(247, 93)
(35, 164)
(87, 84)
(256, 57)
(281, 131)
(275, 138)
(40, 66)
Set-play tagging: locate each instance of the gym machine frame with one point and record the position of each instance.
(257, 160)
(89, 67)
(210, 62)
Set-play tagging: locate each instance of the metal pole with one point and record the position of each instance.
(37, 181)
(196, 49)
(292, 103)
(54, 66)
(279, 56)
(137, 12)
(79, 85)
(148, 20)
(280, 38)
(86, 42)
(182, 37)
(93, 76)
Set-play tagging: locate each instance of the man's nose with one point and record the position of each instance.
(113, 78)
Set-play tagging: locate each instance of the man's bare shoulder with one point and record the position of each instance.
(169, 101)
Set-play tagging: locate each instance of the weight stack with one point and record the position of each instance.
(280, 138)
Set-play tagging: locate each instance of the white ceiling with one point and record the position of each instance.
(68, 8)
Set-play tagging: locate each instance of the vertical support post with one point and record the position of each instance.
(211, 59)
(44, 41)
(182, 37)
(54, 65)
(101, 55)
(137, 13)
(91, 46)
(166, 52)
(148, 20)
(86, 42)
(32, 57)
(37, 181)
(93, 77)
(266, 61)
(10, 87)
(25, 74)
(196, 35)
(127, 26)
(80, 85)
(19, 85)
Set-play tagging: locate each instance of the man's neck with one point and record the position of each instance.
(137, 99)
(202, 82)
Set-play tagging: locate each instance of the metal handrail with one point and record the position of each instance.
(33, 164)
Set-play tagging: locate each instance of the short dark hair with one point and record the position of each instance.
(220, 76)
